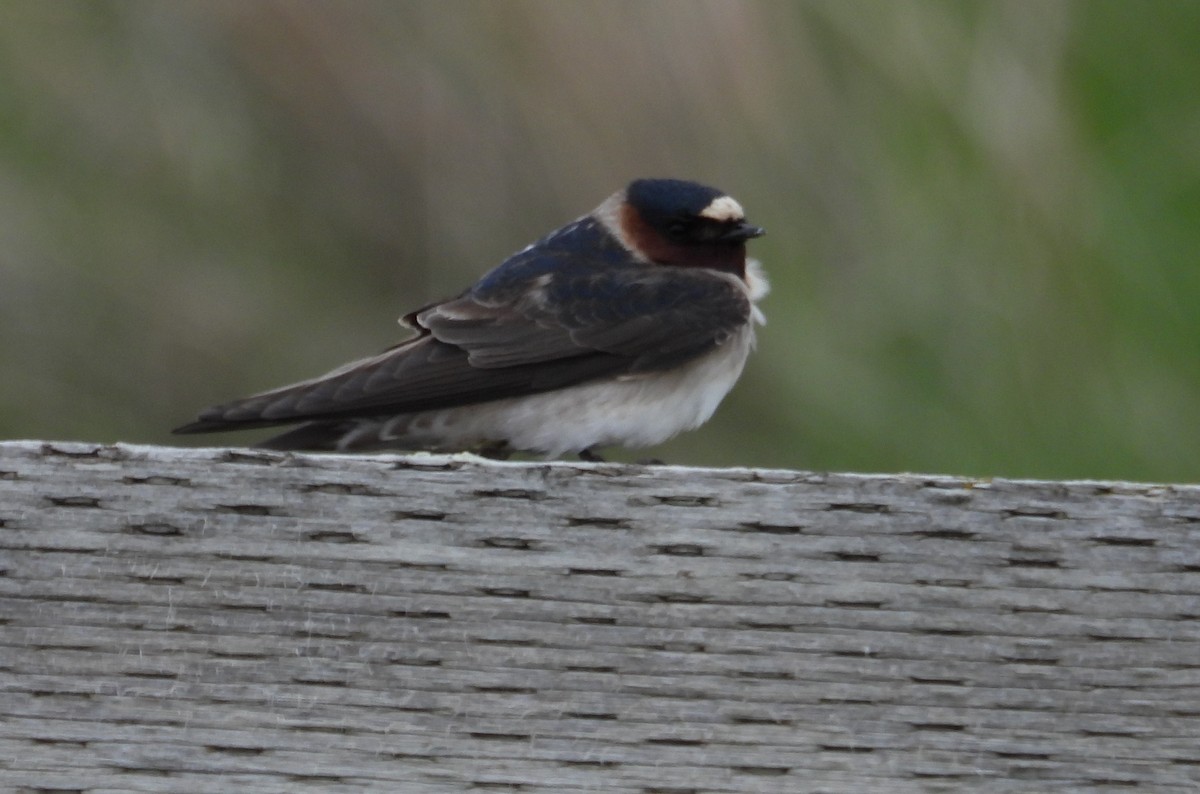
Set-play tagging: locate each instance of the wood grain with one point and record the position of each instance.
(178, 620)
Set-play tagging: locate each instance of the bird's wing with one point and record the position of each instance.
(651, 317)
(507, 338)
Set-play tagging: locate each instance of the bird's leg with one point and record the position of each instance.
(590, 456)
(652, 462)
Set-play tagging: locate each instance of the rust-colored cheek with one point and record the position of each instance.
(727, 257)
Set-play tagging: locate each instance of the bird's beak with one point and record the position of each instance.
(743, 231)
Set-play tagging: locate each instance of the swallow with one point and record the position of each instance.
(624, 327)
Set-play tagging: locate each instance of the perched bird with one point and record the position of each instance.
(626, 326)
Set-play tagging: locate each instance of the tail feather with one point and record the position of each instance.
(334, 435)
(218, 425)
(311, 437)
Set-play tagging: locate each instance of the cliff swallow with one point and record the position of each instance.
(626, 326)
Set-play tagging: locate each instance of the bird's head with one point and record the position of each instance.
(674, 222)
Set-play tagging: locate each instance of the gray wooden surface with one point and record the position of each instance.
(234, 621)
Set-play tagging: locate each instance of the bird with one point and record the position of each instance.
(624, 327)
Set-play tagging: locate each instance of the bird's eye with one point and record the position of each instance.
(678, 230)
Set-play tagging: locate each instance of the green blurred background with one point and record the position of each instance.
(983, 217)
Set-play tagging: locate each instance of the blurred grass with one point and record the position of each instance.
(983, 218)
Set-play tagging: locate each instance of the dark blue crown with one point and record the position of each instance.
(659, 201)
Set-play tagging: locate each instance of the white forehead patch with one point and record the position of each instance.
(723, 208)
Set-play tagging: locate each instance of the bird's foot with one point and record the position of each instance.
(590, 456)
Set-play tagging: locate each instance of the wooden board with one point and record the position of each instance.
(235, 621)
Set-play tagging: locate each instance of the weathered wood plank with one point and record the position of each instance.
(219, 620)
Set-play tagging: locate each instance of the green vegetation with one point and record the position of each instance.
(984, 218)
